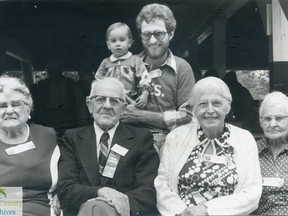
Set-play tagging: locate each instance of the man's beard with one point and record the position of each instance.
(158, 53)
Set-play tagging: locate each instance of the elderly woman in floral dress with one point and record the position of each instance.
(209, 167)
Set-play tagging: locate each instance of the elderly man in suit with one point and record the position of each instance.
(107, 168)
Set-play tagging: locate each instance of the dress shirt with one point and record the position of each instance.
(99, 132)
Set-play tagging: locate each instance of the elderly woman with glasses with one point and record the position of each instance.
(29, 152)
(209, 167)
(273, 155)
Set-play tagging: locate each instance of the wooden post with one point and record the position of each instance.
(219, 44)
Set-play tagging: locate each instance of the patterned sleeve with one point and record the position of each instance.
(142, 75)
(100, 73)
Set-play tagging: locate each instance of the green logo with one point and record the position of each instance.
(2, 191)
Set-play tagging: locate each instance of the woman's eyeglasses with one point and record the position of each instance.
(279, 119)
(15, 105)
(159, 35)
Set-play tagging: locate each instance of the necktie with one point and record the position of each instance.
(104, 151)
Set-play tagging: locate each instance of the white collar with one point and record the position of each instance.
(99, 132)
(126, 56)
(170, 60)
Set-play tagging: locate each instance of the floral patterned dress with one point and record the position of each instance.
(204, 176)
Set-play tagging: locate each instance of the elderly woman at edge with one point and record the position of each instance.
(209, 167)
(273, 155)
(29, 153)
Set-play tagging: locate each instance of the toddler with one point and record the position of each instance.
(124, 66)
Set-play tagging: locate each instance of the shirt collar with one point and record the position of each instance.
(99, 132)
(262, 144)
(222, 140)
(126, 56)
(170, 61)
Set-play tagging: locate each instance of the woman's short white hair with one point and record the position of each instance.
(17, 85)
(275, 97)
(209, 85)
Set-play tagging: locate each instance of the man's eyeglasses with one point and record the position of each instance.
(159, 35)
(279, 119)
(100, 100)
(16, 105)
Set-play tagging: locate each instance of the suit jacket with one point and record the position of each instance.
(79, 178)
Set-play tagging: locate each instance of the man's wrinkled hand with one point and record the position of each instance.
(131, 114)
(116, 199)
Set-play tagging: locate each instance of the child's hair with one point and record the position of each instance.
(117, 25)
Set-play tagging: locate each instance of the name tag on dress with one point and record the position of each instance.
(273, 182)
(115, 154)
(216, 159)
(20, 148)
